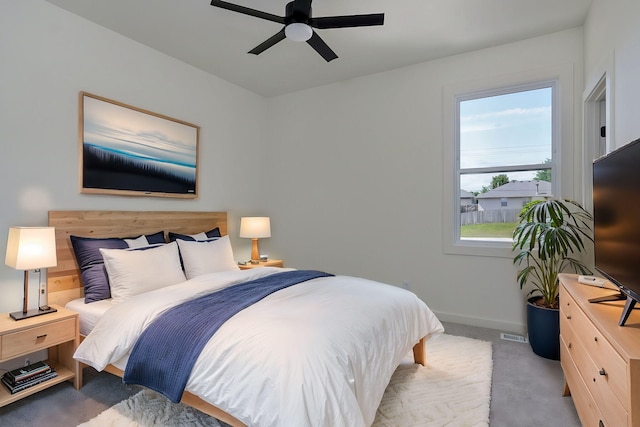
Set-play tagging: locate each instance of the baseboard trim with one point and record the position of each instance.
(517, 328)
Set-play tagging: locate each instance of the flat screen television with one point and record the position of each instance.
(616, 214)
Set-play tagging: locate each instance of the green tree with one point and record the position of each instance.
(499, 180)
(544, 174)
(496, 181)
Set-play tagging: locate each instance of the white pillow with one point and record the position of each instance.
(200, 258)
(199, 236)
(134, 272)
(139, 242)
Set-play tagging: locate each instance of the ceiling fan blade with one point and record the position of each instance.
(278, 37)
(248, 11)
(321, 47)
(347, 21)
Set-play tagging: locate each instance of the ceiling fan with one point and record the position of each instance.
(298, 25)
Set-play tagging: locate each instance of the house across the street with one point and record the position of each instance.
(513, 195)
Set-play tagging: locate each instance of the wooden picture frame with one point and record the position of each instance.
(124, 150)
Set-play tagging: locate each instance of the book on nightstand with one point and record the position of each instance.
(28, 376)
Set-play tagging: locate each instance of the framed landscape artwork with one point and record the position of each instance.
(129, 151)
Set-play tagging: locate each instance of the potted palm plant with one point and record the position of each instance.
(548, 236)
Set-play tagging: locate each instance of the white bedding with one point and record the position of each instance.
(90, 313)
(320, 353)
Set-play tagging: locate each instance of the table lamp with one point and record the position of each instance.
(255, 227)
(31, 248)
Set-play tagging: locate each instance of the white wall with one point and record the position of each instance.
(358, 178)
(47, 56)
(351, 173)
(612, 46)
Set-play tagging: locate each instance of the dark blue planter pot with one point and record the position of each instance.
(544, 330)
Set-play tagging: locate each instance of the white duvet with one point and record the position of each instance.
(320, 353)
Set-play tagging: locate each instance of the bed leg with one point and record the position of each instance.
(419, 353)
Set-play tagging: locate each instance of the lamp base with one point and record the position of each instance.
(19, 315)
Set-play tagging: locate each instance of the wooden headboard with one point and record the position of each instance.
(63, 281)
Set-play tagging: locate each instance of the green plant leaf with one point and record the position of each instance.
(548, 233)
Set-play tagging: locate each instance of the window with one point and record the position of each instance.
(551, 165)
(505, 156)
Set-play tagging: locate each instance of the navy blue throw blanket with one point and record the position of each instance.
(167, 349)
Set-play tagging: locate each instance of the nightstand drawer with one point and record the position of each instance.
(37, 338)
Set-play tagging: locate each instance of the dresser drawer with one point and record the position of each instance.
(37, 338)
(603, 355)
(609, 406)
(585, 405)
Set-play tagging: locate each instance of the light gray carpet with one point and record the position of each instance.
(527, 389)
(526, 392)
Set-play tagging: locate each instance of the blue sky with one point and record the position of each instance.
(510, 129)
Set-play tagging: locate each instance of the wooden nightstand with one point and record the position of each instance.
(57, 332)
(270, 263)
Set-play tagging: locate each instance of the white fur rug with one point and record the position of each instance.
(453, 390)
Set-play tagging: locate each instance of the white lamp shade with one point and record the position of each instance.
(298, 32)
(255, 227)
(30, 248)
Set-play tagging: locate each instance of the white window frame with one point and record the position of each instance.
(560, 78)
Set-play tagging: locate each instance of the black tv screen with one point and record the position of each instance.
(616, 212)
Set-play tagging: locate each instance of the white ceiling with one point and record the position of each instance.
(217, 40)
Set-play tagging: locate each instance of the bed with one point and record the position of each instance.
(297, 365)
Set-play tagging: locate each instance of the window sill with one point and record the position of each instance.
(497, 248)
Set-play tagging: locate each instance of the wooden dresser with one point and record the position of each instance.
(600, 360)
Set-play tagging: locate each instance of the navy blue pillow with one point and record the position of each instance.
(155, 238)
(210, 234)
(92, 271)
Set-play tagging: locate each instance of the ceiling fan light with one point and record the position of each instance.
(298, 32)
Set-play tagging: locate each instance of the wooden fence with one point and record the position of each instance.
(492, 216)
